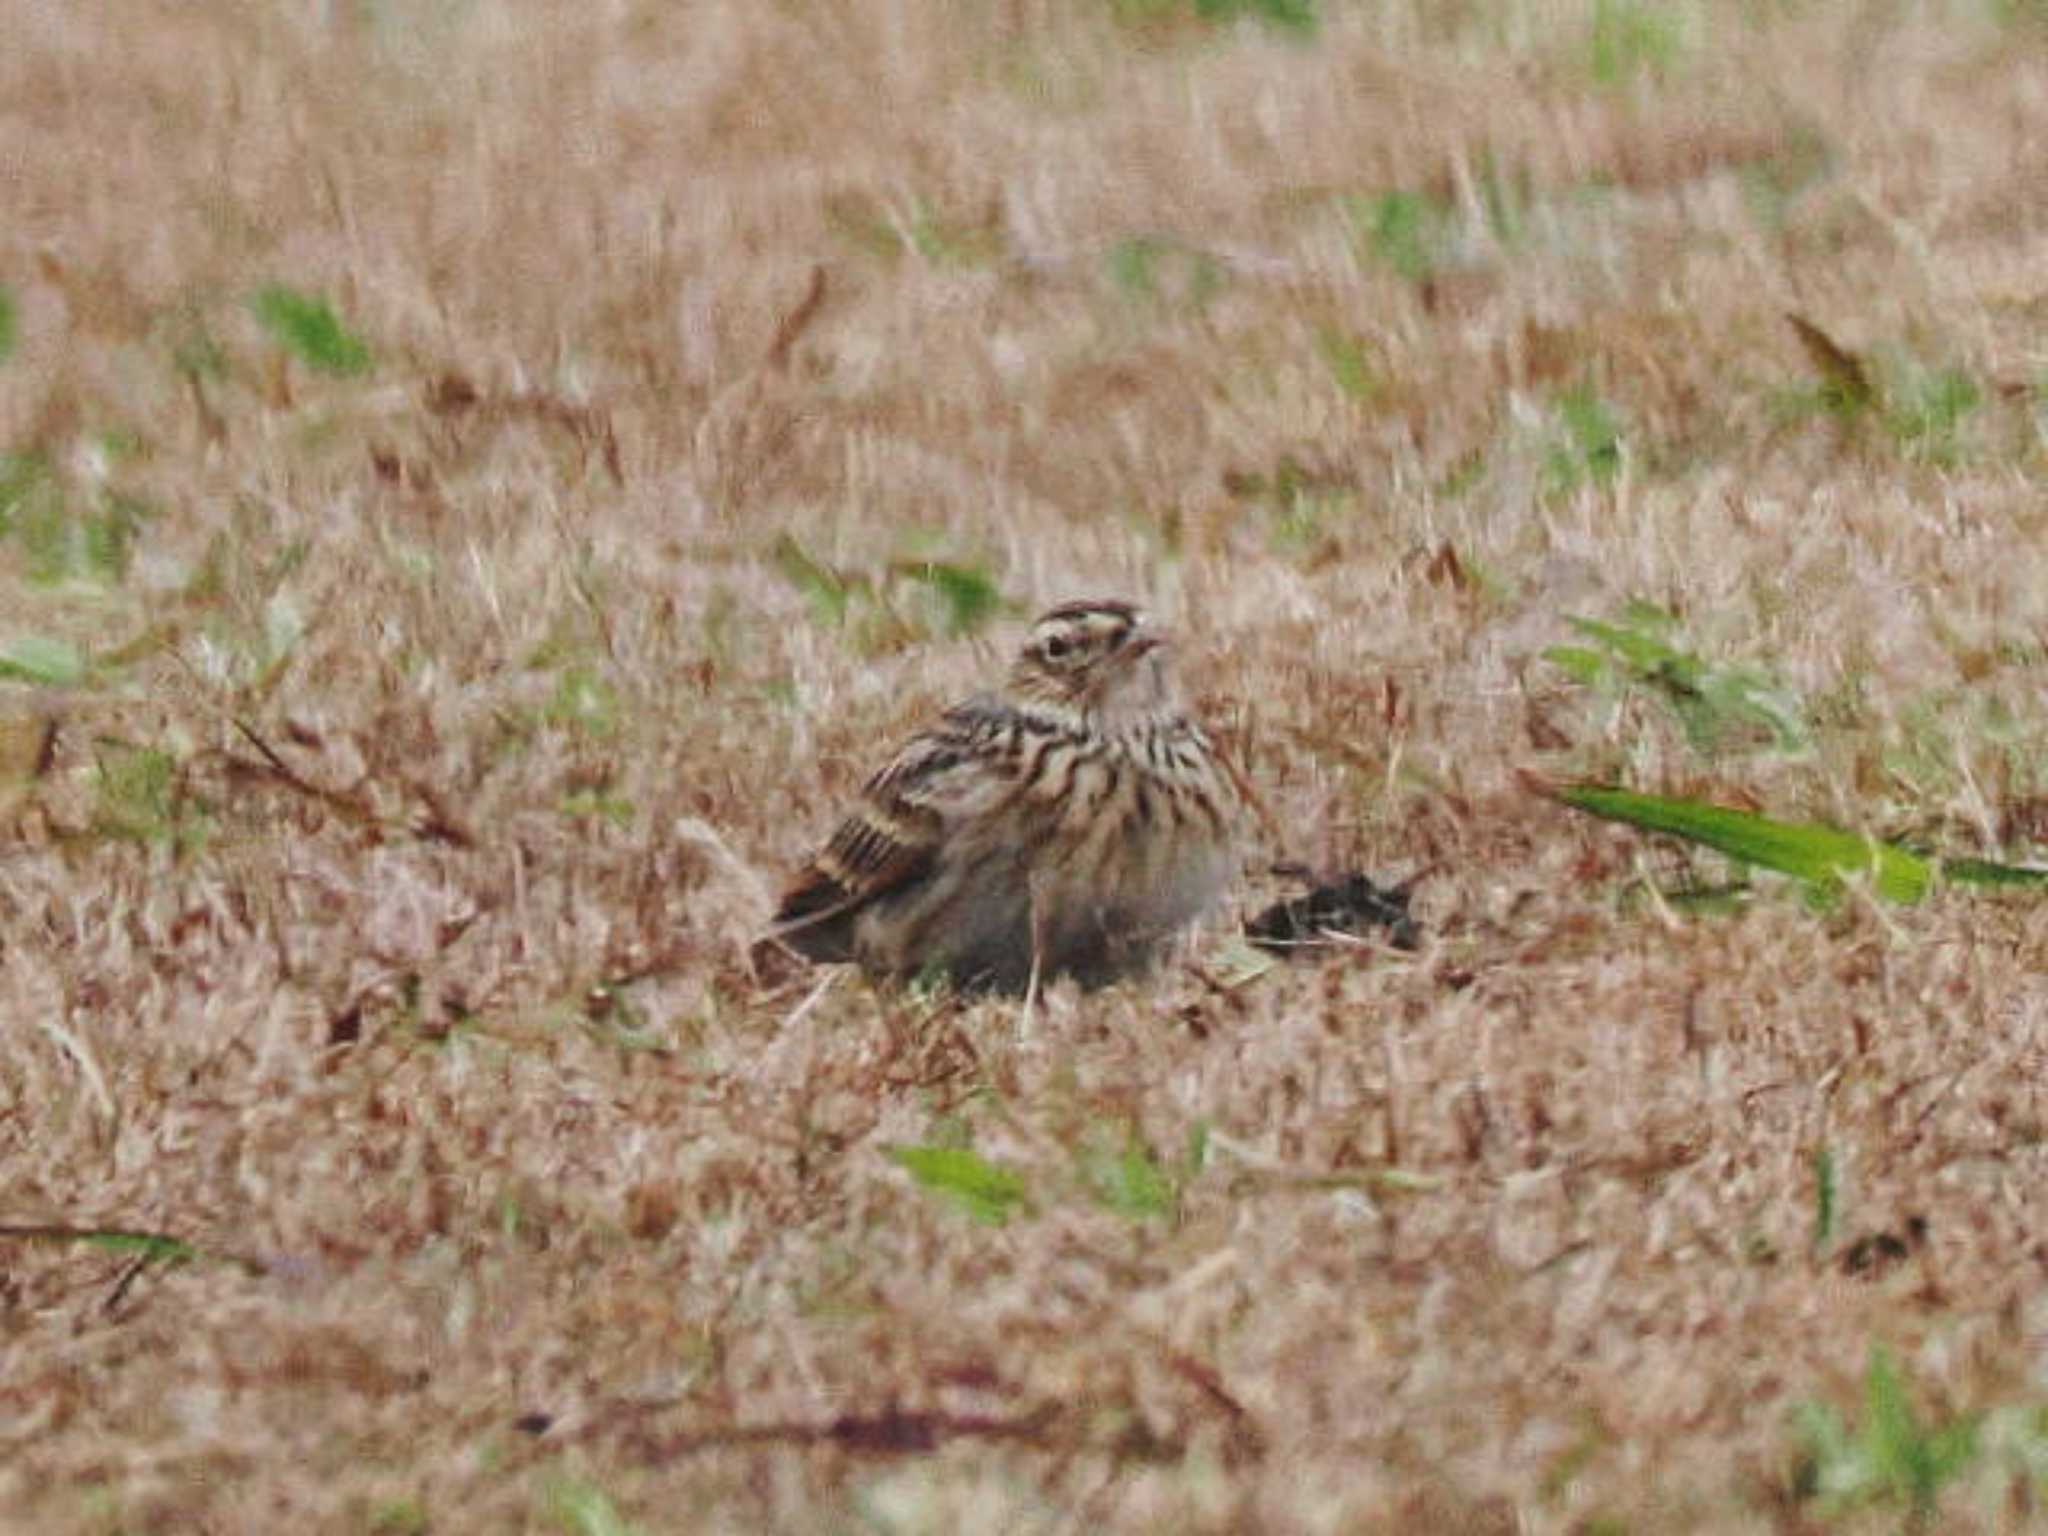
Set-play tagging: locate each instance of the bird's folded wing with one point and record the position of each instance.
(891, 839)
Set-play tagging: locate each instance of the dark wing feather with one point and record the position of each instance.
(890, 841)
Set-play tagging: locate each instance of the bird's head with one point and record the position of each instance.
(1099, 659)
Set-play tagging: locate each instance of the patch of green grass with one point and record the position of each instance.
(598, 802)
(824, 590)
(1297, 501)
(195, 353)
(1297, 522)
(100, 1503)
(42, 659)
(1719, 707)
(23, 478)
(1156, 270)
(584, 1509)
(107, 536)
(404, 1516)
(1113, 1168)
(142, 798)
(584, 700)
(1940, 739)
(49, 538)
(966, 596)
(60, 542)
(1297, 17)
(309, 330)
(1891, 1458)
(10, 330)
(1287, 15)
(945, 242)
(1570, 1464)
(1844, 388)
(1925, 410)
(1631, 38)
(1418, 234)
(1825, 1193)
(1588, 443)
(1350, 362)
(1503, 200)
(862, 224)
(1772, 184)
(1465, 473)
(905, 600)
(1410, 232)
(1133, 266)
(1124, 1176)
(1929, 409)
(2018, 13)
(988, 1192)
(32, 509)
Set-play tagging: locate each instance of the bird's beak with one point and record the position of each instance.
(1146, 641)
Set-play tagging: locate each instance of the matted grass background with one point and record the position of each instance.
(400, 759)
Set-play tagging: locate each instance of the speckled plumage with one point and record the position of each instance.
(1078, 818)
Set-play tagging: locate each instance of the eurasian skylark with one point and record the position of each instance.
(1070, 823)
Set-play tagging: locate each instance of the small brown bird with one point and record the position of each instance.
(1070, 823)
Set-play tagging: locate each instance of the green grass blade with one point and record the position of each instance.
(1984, 872)
(583, 1509)
(822, 587)
(1819, 855)
(309, 329)
(988, 1192)
(968, 596)
(42, 659)
(149, 1245)
(158, 1247)
(1131, 1182)
(1825, 1191)
(1644, 652)
(1350, 362)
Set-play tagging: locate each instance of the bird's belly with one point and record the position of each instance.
(1156, 881)
(971, 921)
(1092, 895)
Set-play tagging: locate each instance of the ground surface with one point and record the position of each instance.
(408, 722)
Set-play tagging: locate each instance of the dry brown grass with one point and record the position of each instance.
(436, 1005)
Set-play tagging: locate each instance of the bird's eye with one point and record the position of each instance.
(1057, 646)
